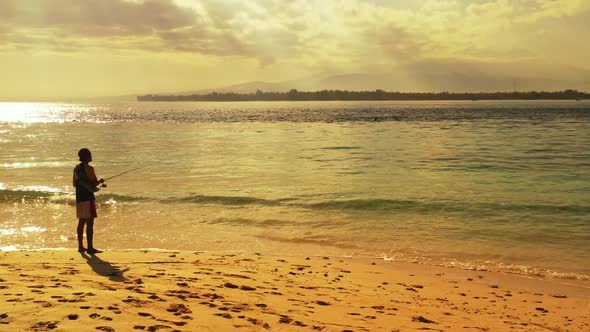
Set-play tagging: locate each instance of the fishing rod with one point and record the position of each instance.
(123, 173)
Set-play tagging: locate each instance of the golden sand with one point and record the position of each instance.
(153, 291)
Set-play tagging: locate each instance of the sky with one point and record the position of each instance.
(52, 49)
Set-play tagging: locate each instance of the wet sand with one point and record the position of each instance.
(195, 291)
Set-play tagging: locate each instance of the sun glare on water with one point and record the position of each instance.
(23, 112)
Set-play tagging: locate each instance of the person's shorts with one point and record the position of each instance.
(86, 209)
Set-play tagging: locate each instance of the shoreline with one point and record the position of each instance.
(188, 291)
(532, 272)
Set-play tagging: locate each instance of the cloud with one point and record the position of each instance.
(545, 9)
(98, 18)
(405, 44)
(152, 25)
(220, 27)
(305, 33)
(201, 40)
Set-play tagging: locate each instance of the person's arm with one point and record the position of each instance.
(92, 176)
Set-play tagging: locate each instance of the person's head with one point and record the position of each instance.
(85, 155)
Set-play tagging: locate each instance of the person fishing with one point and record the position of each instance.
(86, 185)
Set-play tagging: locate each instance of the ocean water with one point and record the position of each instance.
(479, 185)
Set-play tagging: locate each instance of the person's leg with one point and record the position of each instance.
(90, 232)
(90, 235)
(81, 223)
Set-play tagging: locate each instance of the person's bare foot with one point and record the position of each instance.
(93, 251)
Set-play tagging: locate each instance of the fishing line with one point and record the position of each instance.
(123, 173)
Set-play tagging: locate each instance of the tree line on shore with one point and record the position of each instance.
(295, 95)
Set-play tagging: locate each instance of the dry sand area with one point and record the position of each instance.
(188, 291)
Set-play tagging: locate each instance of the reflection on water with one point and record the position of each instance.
(33, 164)
(326, 111)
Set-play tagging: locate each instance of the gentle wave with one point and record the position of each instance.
(224, 200)
(437, 207)
(24, 196)
(376, 205)
(524, 270)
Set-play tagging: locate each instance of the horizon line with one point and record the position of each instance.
(364, 95)
(134, 97)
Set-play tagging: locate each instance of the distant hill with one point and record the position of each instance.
(425, 76)
(248, 87)
(417, 79)
(378, 94)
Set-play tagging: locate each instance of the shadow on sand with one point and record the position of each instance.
(104, 268)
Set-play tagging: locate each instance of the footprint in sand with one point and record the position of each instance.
(114, 309)
(181, 294)
(96, 315)
(44, 304)
(181, 323)
(50, 325)
(134, 301)
(256, 322)
(211, 305)
(3, 316)
(422, 319)
(36, 286)
(105, 328)
(230, 285)
(156, 297)
(224, 315)
(179, 309)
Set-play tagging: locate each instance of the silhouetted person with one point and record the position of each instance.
(86, 185)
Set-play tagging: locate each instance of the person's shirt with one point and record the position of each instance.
(85, 181)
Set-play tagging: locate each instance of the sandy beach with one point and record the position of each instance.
(196, 291)
(310, 165)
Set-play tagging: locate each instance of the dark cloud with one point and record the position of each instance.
(268, 30)
(223, 12)
(153, 25)
(220, 27)
(203, 40)
(98, 18)
(399, 43)
(7, 8)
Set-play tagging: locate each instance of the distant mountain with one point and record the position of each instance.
(425, 76)
(295, 95)
(248, 87)
(420, 78)
(102, 99)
